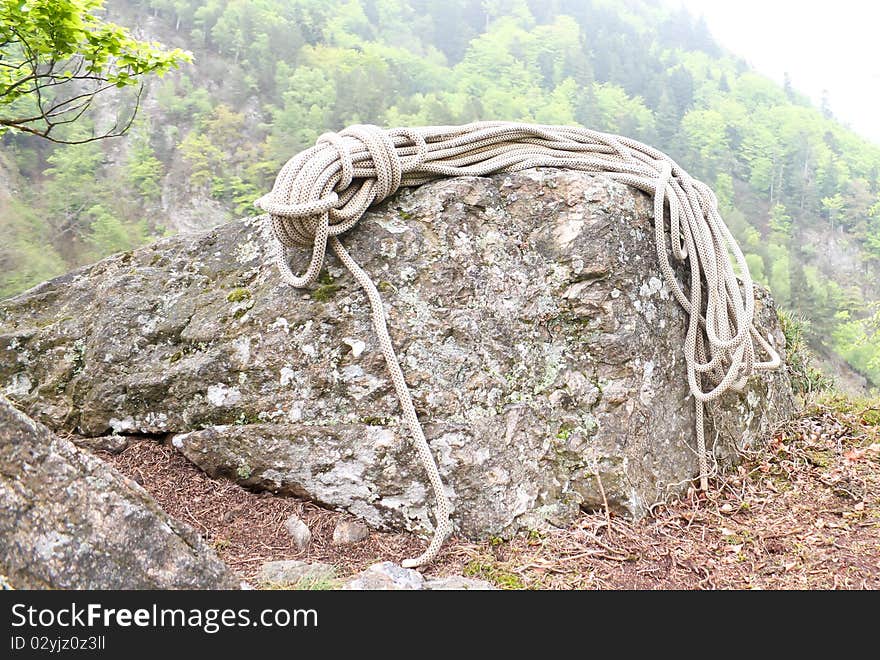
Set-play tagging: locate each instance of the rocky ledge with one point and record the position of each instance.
(70, 521)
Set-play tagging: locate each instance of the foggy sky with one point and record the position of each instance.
(827, 45)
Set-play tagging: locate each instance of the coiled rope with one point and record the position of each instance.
(323, 191)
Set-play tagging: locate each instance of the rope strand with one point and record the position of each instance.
(323, 191)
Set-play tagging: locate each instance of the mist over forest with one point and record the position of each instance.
(800, 190)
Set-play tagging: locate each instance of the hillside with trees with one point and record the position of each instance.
(800, 190)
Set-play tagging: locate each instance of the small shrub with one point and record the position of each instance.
(799, 359)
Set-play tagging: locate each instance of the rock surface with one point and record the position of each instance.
(299, 532)
(112, 444)
(347, 532)
(458, 583)
(543, 351)
(294, 573)
(388, 576)
(70, 521)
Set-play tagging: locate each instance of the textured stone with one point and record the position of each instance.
(299, 532)
(112, 444)
(542, 349)
(348, 532)
(458, 583)
(386, 576)
(70, 521)
(293, 573)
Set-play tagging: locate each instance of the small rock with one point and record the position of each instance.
(386, 576)
(293, 573)
(112, 444)
(299, 532)
(458, 583)
(350, 531)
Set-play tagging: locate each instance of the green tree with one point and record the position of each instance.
(707, 137)
(25, 258)
(724, 192)
(780, 221)
(618, 113)
(108, 234)
(56, 56)
(872, 236)
(681, 87)
(203, 157)
(143, 170)
(833, 207)
(72, 186)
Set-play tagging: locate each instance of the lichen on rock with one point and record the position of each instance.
(70, 521)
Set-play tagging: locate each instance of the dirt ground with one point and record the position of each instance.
(802, 513)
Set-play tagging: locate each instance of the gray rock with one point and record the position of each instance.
(389, 576)
(348, 532)
(112, 444)
(70, 521)
(299, 532)
(458, 583)
(293, 573)
(386, 576)
(543, 352)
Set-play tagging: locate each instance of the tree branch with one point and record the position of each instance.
(37, 61)
(45, 132)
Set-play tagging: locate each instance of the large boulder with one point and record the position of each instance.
(543, 351)
(70, 521)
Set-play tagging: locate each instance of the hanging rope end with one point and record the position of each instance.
(443, 531)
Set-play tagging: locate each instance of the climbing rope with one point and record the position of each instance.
(323, 191)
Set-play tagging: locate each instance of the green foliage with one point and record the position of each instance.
(860, 414)
(779, 273)
(24, 260)
(833, 206)
(273, 75)
(108, 234)
(805, 378)
(858, 342)
(222, 162)
(72, 183)
(181, 101)
(618, 113)
(756, 268)
(238, 295)
(723, 190)
(143, 170)
(491, 570)
(202, 156)
(706, 134)
(58, 54)
(81, 214)
(780, 221)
